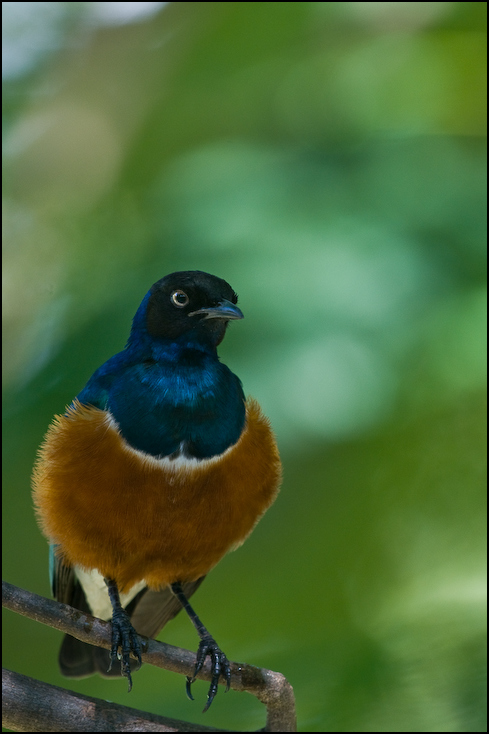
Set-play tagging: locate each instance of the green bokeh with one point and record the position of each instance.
(328, 160)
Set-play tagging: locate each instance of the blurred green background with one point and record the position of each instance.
(328, 160)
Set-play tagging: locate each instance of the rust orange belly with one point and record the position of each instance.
(133, 517)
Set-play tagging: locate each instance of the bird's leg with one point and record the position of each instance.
(208, 646)
(123, 634)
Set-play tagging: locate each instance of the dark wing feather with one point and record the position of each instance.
(156, 608)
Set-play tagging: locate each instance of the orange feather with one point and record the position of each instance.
(132, 517)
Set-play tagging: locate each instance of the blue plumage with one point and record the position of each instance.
(193, 404)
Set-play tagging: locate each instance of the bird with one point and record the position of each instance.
(156, 469)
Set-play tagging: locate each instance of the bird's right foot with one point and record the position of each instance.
(125, 639)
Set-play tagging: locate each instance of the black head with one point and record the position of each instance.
(191, 300)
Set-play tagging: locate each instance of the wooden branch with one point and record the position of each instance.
(272, 689)
(30, 705)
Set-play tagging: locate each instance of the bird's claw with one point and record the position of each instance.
(125, 637)
(219, 667)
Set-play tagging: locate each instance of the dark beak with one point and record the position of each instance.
(224, 310)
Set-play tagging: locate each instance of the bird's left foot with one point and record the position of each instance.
(125, 637)
(219, 667)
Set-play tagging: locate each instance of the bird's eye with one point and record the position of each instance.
(179, 299)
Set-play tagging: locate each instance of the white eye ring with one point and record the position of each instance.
(179, 299)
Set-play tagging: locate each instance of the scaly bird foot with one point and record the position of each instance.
(125, 637)
(219, 666)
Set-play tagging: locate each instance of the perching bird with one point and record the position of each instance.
(156, 470)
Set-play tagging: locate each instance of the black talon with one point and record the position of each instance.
(124, 636)
(219, 666)
(187, 687)
(208, 646)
